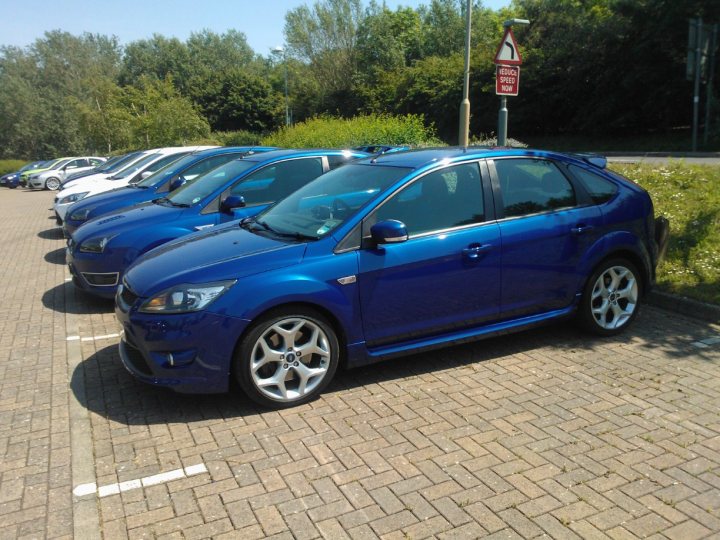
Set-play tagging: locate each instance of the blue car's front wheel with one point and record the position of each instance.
(287, 358)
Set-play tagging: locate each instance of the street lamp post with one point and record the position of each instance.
(503, 114)
(465, 103)
(280, 51)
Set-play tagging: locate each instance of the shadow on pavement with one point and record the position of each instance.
(51, 234)
(56, 256)
(112, 392)
(83, 303)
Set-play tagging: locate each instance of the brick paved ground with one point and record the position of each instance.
(547, 432)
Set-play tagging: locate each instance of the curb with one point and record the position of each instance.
(685, 306)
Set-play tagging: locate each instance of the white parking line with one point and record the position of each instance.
(94, 338)
(161, 478)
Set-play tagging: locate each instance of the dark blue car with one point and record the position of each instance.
(158, 184)
(389, 256)
(99, 252)
(12, 180)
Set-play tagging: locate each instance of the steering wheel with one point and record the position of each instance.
(340, 207)
(322, 212)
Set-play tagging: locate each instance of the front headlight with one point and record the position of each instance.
(95, 245)
(186, 298)
(73, 198)
(80, 215)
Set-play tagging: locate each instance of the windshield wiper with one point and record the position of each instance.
(161, 200)
(283, 234)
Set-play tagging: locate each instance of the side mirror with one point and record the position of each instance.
(177, 182)
(390, 231)
(232, 201)
(144, 175)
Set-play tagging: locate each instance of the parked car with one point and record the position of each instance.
(100, 250)
(111, 166)
(102, 175)
(12, 180)
(149, 164)
(389, 256)
(164, 181)
(49, 164)
(51, 178)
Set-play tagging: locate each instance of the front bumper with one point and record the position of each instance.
(92, 274)
(188, 353)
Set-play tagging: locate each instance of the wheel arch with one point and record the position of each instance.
(331, 318)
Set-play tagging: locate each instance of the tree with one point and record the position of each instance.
(325, 37)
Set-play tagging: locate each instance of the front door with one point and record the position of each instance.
(446, 276)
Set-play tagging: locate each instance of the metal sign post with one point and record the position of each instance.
(507, 75)
(696, 91)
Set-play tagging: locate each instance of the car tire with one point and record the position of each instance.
(611, 299)
(52, 183)
(287, 358)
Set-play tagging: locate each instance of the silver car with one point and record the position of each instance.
(52, 178)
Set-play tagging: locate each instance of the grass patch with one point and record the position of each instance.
(689, 196)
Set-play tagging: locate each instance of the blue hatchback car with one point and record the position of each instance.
(389, 256)
(99, 252)
(162, 182)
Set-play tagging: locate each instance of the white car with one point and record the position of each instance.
(52, 178)
(149, 163)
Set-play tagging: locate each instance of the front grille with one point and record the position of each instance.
(100, 280)
(137, 360)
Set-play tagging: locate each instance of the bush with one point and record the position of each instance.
(328, 132)
(237, 138)
(10, 165)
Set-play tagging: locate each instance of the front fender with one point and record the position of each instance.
(316, 284)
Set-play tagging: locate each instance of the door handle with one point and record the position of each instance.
(581, 229)
(473, 251)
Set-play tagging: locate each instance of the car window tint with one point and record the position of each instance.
(338, 161)
(443, 199)
(207, 165)
(530, 186)
(278, 180)
(600, 189)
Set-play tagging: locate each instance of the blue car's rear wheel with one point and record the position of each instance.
(287, 358)
(611, 299)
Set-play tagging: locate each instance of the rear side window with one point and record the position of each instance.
(530, 186)
(600, 189)
(338, 161)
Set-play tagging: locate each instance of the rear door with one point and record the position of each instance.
(546, 225)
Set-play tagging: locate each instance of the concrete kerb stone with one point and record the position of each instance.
(685, 306)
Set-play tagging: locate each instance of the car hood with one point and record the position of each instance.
(76, 182)
(227, 253)
(115, 223)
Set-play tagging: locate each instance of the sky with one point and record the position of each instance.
(262, 21)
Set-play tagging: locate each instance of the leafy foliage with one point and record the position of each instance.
(10, 165)
(327, 132)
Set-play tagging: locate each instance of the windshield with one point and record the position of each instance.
(116, 164)
(167, 171)
(196, 190)
(135, 167)
(35, 165)
(325, 203)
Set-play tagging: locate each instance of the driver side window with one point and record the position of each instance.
(444, 199)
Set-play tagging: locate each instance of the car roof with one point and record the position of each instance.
(279, 154)
(416, 159)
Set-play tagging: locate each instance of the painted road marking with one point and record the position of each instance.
(94, 338)
(119, 487)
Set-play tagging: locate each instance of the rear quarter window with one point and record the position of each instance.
(600, 189)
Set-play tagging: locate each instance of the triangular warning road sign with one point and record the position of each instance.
(508, 52)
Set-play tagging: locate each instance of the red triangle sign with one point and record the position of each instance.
(508, 52)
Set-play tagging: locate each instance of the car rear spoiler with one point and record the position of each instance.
(593, 159)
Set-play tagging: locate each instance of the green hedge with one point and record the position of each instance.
(10, 165)
(329, 132)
